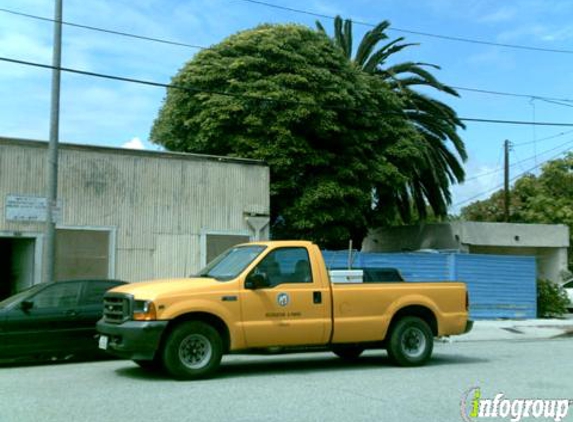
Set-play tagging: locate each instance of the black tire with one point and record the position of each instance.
(411, 342)
(192, 351)
(349, 352)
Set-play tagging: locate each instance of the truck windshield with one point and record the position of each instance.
(231, 263)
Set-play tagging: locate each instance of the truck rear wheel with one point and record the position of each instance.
(193, 350)
(350, 352)
(411, 342)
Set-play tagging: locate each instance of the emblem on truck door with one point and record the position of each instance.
(283, 299)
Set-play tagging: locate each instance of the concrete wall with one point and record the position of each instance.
(547, 242)
(513, 235)
(411, 238)
(157, 207)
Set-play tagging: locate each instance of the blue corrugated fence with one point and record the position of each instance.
(500, 286)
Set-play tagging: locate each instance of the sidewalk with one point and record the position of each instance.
(529, 329)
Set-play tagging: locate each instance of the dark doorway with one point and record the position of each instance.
(16, 265)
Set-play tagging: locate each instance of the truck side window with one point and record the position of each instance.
(286, 265)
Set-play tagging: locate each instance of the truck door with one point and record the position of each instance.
(291, 308)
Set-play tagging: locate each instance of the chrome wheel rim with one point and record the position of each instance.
(413, 342)
(195, 351)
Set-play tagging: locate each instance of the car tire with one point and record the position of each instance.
(411, 342)
(348, 353)
(192, 351)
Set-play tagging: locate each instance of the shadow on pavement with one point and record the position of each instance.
(254, 367)
(54, 360)
(131, 370)
(567, 334)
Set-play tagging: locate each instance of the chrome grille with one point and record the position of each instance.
(116, 308)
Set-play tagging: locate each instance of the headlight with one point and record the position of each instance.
(144, 310)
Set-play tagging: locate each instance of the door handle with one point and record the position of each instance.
(317, 297)
(72, 312)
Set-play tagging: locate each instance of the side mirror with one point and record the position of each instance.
(256, 281)
(26, 305)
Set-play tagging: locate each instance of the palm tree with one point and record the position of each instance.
(436, 123)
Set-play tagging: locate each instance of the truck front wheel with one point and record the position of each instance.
(411, 342)
(193, 350)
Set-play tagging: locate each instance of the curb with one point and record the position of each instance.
(517, 330)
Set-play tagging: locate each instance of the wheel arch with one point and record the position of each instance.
(205, 317)
(420, 311)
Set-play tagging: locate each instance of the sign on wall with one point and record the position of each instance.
(32, 209)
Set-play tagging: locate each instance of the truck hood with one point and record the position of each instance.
(150, 290)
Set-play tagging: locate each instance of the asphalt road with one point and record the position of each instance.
(303, 387)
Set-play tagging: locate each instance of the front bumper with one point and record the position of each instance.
(136, 340)
(469, 326)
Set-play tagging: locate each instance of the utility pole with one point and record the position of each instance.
(506, 146)
(52, 159)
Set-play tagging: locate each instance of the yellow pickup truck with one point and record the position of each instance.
(275, 296)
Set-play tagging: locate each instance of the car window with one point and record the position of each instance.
(20, 296)
(285, 265)
(64, 295)
(568, 285)
(94, 291)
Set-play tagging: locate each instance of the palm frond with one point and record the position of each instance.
(339, 34)
(369, 42)
(347, 37)
(378, 58)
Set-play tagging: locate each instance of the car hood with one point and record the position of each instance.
(150, 290)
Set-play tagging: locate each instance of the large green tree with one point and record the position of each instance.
(546, 198)
(333, 136)
(429, 181)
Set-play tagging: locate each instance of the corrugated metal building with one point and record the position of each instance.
(125, 214)
(500, 286)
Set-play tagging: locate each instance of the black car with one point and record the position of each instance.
(53, 320)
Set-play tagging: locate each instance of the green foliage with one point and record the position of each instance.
(552, 300)
(543, 199)
(428, 184)
(335, 137)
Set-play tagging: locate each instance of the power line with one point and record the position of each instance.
(479, 176)
(546, 151)
(512, 94)
(512, 179)
(556, 102)
(514, 122)
(409, 31)
(108, 31)
(253, 97)
(199, 47)
(497, 170)
(542, 139)
(497, 165)
(184, 88)
(520, 161)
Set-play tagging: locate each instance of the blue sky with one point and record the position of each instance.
(102, 112)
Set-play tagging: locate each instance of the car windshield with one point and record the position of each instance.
(20, 296)
(231, 263)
